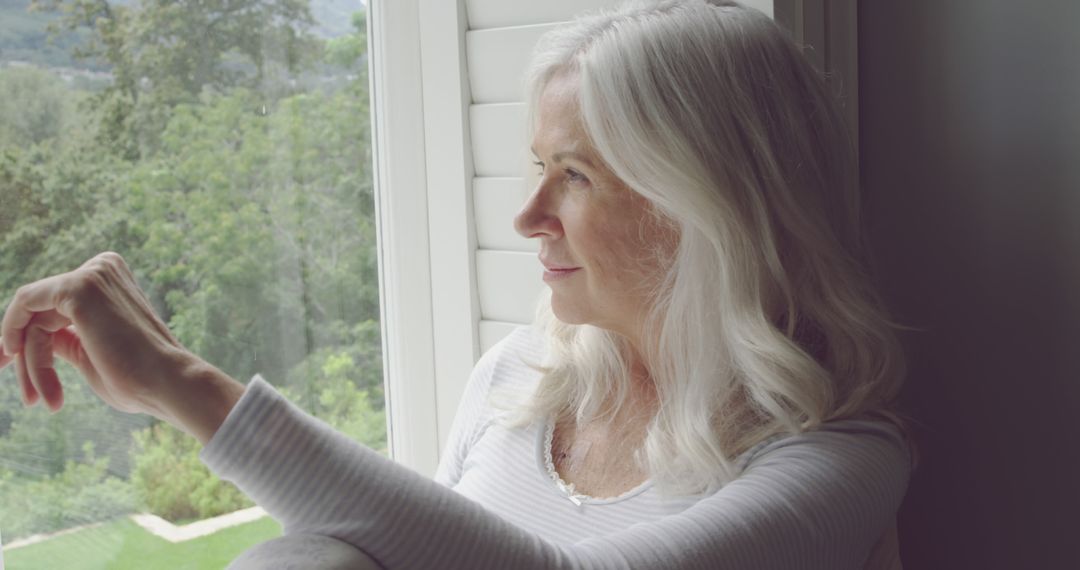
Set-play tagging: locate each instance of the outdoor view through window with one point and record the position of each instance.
(223, 148)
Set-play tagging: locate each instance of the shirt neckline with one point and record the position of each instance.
(546, 464)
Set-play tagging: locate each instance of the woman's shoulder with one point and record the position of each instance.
(522, 340)
(513, 363)
(866, 436)
(521, 352)
(505, 365)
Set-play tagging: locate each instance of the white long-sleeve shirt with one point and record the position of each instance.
(817, 500)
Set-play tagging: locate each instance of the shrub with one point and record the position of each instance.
(338, 386)
(170, 481)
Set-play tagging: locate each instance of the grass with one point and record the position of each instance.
(124, 545)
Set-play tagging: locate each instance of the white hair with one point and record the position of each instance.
(766, 322)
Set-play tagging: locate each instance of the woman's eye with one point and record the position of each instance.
(572, 176)
(575, 176)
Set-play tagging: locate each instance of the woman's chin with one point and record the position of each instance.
(567, 313)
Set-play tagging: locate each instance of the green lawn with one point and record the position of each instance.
(124, 545)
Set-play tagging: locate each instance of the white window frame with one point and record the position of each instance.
(425, 232)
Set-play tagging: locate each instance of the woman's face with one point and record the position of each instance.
(602, 249)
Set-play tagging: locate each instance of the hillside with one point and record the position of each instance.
(23, 35)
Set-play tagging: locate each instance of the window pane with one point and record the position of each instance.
(223, 148)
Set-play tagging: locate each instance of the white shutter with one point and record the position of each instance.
(510, 282)
(496, 59)
(498, 139)
(496, 201)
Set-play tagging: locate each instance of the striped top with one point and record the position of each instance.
(817, 500)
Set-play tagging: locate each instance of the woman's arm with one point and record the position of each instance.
(816, 501)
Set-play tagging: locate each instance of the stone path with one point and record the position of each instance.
(173, 533)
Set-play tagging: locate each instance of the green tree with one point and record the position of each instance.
(257, 229)
(166, 52)
(349, 51)
(35, 107)
(57, 210)
(343, 385)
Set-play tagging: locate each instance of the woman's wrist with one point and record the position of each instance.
(198, 398)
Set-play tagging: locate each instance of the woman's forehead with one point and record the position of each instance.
(563, 86)
(559, 127)
(559, 100)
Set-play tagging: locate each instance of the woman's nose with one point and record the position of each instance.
(537, 217)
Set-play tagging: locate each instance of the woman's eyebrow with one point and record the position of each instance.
(559, 156)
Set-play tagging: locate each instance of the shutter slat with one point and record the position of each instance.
(509, 284)
(497, 61)
(496, 202)
(498, 139)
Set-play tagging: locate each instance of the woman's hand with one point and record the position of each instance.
(97, 318)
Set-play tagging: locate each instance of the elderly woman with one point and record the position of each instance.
(709, 384)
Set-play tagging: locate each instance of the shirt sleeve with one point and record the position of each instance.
(817, 500)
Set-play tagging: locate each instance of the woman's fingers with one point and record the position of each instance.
(38, 351)
(38, 356)
(34, 368)
(37, 297)
(68, 345)
(30, 394)
(5, 358)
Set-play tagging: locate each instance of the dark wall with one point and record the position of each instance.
(969, 126)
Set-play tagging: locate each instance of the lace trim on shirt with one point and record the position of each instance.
(549, 463)
(568, 488)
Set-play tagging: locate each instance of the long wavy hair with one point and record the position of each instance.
(767, 322)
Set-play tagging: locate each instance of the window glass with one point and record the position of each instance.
(222, 147)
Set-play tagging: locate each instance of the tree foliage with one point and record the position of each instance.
(166, 52)
(36, 106)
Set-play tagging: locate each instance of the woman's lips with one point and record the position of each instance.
(556, 274)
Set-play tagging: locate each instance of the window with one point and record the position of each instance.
(223, 147)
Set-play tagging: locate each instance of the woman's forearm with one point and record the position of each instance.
(198, 398)
(814, 501)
